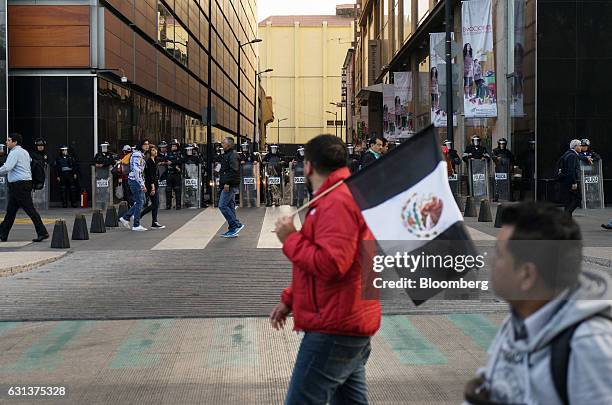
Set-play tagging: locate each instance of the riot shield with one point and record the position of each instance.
(40, 198)
(274, 183)
(591, 186)
(453, 182)
(3, 193)
(191, 185)
(102, 187)
(162, 182)
(479, 179)
(298, 185)
(249, 184)
(501, 181)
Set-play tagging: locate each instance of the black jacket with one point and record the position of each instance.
(571, 168)
(230, 169)
(150, 174)
(367, 159)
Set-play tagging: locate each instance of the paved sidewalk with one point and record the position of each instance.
(18, 262)
(415, 360)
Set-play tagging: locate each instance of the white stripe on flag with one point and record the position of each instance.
(406, 216)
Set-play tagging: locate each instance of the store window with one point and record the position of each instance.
(171, 35)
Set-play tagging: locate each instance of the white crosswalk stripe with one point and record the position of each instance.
(267, 238)
(196, 233)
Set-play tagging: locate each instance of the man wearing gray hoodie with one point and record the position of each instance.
(555, 347)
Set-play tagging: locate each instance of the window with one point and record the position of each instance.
(407, 19)
(171, 35)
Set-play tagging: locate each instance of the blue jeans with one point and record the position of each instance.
(227, 206)
(330, 369)
(136, 209)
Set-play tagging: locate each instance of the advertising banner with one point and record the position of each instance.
(404, 111)
(479, 79)
(389, 111)
(517, 106)
(437, 78)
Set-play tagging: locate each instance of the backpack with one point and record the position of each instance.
(39, 176)
(559, 358)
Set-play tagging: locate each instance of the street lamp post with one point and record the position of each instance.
(257, 75)
(336, 119)
(278, 127)
(341, 116)
(240, 46)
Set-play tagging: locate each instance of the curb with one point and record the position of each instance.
(600, 261)
(22, 268)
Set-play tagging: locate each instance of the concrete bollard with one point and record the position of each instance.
(123, 208)
(60, 235)
(97, 222)
(79, 229)
(470, 208)
(112, 220)
(499, 214)
(485, 212)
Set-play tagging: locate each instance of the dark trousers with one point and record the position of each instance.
(153, 207)
(127, 193)
(20, 196)
(573, 199)
(330, 369)
(69, 189)
(173, 183)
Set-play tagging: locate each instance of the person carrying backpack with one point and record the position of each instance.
(555, 346)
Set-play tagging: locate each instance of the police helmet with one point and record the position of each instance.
(40, 142)
(585, 142)
(300, 150)
(63, 147)
(163, 144)
(244, 146)
(350, 148)
(448, 143)
(104, 147)
(475, 140)
(2, 148)
(175, 142)
(273, 149)
(502, 143)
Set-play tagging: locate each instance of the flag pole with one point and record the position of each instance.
(329, 190)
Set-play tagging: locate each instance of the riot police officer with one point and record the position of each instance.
(587, 154)
(174, 181)
(474, 151)
(104, 158)
(191, 155)
(67, 169)
(162, 155)
(274, 163)
(502, 152)
(40, 152)
(353, 158)
(452, 154)
(503, 160)
(246, 156)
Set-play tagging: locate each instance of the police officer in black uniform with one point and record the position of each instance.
(3, 154)
(587, 154)
(162, 154)
(104, 158)
(246, 155)
(174, 181)
(453, 155)
(40, 152)
(275, 163)
(67, 170)
(474, 151)
(503, 160)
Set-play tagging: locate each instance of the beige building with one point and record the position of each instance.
(307, 54)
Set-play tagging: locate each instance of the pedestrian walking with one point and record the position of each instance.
(152, 184)
(555, 346)
(137, 185)
(373, 153)
(325, 295)
(229, 181)
(569, 176)
(19, 175)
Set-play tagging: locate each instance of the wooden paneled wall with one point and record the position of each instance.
(48, 36)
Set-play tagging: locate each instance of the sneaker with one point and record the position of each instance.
(229, 234)
(606, 226)
(139, 229)
(157, 225)
(124, 222)
(240, 228)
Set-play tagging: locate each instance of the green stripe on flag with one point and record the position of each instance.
(408, 344)
(478, 327)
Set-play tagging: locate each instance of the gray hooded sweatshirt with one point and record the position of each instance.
(518, 371)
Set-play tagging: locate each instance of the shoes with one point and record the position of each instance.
(124, 222)
(3, 238)
(178, 208)
(157, 225)
(606, 226)
(139, 229)
(40, 238)
(229, 234)
(168, 208)
(240, 228)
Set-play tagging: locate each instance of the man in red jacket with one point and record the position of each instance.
(325, 295)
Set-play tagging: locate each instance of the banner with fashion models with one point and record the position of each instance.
(479, 79)
(389, 111)
(404, 111)
(517, 105)
(437, 78)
